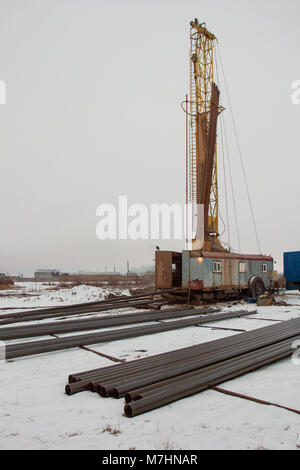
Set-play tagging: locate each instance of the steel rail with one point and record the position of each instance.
(253, 399)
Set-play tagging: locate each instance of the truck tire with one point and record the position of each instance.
(256, 287)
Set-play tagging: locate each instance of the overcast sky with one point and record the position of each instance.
(93, 92)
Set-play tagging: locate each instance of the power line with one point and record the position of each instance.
(225, 186)
(231, 183)
(239, 151)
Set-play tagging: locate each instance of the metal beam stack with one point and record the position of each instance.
(154, 381)
(62, 327)
(83, 308)
(30, 348)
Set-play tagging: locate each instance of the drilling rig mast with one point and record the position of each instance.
(208, 271)
(203, 112)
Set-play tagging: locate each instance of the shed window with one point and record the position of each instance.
(264, 268)
(242, 267)
(217, 267)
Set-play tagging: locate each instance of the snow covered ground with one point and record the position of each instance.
(36, 414)
(38, 294)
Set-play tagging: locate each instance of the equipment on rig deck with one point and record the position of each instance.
(208, 270)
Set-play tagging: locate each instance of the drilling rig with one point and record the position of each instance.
(208, 270)
(203, 113)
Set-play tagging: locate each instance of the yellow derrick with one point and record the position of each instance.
(202, 100)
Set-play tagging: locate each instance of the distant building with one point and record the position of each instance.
(145, 268)
(46, 273)
(82, 272)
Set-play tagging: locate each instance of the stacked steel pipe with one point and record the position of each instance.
(154, 381)
(29, 348)
(27, 331)
(82, 308)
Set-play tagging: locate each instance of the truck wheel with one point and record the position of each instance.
(256, 287)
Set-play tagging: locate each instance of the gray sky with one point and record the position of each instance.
(93, 111)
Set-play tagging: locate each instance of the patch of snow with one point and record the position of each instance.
(36, 414)
(38, 294)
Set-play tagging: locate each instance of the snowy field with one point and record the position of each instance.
(36, 414)
(38, 294)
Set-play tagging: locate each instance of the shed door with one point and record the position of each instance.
(228, 272)
(163, 269)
